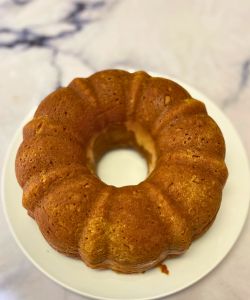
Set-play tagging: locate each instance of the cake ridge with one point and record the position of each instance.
(123, 242)
(42, 126)
(176, 110)
(136, 81)
(108, 87)
(181, 216)
(173, 203)
(67, 107)
(82, 87)
(196, 133)
(84, 248)
(26, 167)
(157, 94)
(55, 222)
(40, 183)
(190, 190)
(203, 160)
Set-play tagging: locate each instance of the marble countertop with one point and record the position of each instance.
(44, 44)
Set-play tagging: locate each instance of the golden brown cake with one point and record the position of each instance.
(132, 228)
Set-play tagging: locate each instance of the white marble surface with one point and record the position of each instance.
(44, 44)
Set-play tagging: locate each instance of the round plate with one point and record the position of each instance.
(204, 254)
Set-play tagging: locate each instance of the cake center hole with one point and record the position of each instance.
(122, 167)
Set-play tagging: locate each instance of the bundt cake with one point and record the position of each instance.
(132, 228)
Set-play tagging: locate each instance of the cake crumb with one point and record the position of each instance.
(167, 100)
(164, 269)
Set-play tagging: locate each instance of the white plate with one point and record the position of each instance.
(203, 256)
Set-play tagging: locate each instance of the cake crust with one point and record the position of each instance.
(133, 228)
